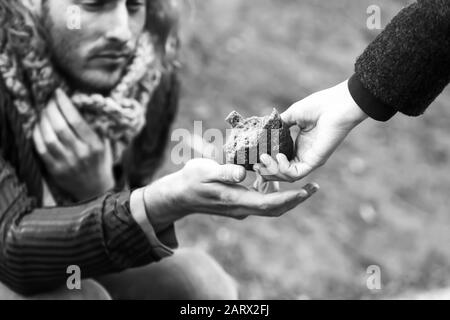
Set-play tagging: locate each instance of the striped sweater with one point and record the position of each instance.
(38, 244)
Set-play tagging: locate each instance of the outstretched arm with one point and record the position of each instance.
(38, 245)
(403, 70)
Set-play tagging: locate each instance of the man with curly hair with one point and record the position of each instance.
(84, 119)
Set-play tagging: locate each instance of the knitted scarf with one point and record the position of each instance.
(31, 78)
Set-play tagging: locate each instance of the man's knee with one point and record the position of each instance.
(203, 277)
(90, 290)
(187, 275)
(7, 294)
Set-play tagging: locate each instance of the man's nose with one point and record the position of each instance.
(119, 25)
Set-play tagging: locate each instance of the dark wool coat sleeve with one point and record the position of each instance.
(408, 65)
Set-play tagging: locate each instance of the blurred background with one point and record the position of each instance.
(384, 196)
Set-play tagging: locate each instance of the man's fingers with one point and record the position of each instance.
(271, 204)
(275, 203)
(311, 188)
(60, 125)
(74, 119)
(53, 145)
(40, 146)
(264, 186)
(287, 207)
(307, 192)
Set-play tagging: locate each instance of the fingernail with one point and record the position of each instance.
(237, 174)
(282, 155)
(60, 93)
(311, 188)
(265, 158)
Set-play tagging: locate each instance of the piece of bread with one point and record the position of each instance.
(250, 138)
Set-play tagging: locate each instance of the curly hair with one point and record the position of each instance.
(27, 70)
(17, 31)
(162, 18)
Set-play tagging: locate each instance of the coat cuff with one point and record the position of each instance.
(368, 103)
(162, 243)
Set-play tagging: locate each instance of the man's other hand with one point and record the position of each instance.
(77, 159)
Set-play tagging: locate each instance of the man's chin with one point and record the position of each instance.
(99, 82)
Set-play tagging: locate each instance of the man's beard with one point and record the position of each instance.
(95, 81)
(61, 49)
(88, 82)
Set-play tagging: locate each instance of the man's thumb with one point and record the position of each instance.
(229, 173)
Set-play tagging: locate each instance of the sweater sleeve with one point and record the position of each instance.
(37, 245)
(146, 153)
(408, 65)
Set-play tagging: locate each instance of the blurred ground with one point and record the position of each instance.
(385, 193)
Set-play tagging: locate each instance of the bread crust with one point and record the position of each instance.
(250, 138)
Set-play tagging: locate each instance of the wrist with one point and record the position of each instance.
(99, 185)
(106, 181)
(354, 114)
(144, 213)
(138, 210)
(367, 102)
(161, 239)
(160, 203)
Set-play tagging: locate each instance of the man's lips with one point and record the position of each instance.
(112, 57)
